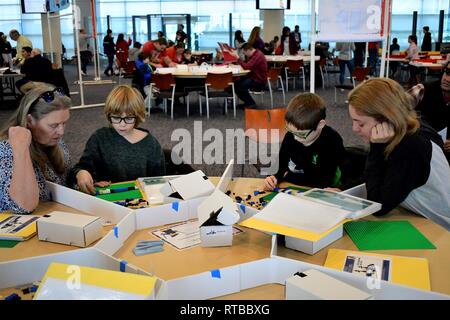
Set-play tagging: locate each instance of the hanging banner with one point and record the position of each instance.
(355, 20)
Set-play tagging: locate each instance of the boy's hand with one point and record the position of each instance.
(270, 183)
(382, 133)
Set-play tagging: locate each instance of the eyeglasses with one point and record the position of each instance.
(447, 71)
(118, 120)
(302, 134)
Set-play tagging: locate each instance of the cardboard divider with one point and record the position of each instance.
(109, 211)
(115, 238)
(163, 214)
(257, 273)
(214, 283)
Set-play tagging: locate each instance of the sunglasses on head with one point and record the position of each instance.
(302, 134)
(49, 96)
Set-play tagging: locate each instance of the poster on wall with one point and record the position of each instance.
(355, 20)
(44, 6)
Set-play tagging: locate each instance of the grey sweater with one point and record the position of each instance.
(110, 157)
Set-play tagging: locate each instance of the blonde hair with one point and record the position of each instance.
(254, 35)
(386, 101)
(32, 104)
(128, 100)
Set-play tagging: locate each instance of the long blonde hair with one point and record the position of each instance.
(255, 34)
(386, 101)
(32, 104)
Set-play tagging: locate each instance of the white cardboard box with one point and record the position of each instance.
(312, 247)
(315, 285)
(216, 236)
(68, 228)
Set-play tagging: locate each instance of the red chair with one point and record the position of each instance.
(216, 85)
(294, 68)
(163, 86)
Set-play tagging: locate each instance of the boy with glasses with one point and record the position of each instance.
(122, 151)
(311, 151)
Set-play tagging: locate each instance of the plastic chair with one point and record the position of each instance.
(166, 85)
(294, 68)
(266, 127)
(215, 87)
(323, 70)
(358, 75)
(273, 75)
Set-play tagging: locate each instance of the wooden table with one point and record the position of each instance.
(198, 72)
(438, 259)
(34, 247)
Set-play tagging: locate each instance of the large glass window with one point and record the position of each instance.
(210, 19)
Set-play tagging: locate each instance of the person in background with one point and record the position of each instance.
(345, 58)
(373, 56)
(37, 68)
(406, 165)
(134, 52)
(413, 53)
(109, 49)
(288, 46)
(143, 73)
(5, 50)
(311, 153)
(394, 48)
(122, 151)
(297, 37)
(31, 149)
(180, 35)
(238, 43)
(26, 54)
(433, 105)
(122, 50)
(188, 58)
(157, 51)
(359, 54)
(160, 35)
(176, 53)
(255, 39)
(426, 41)
(256, 79)
(22, 41)
(85, 53)
(273, 44)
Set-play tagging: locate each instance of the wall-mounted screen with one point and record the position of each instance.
(273, 4)
(43, 6)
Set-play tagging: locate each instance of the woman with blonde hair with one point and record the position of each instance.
(255, 39)
(32, 150)
(122, 151)
(406, 165)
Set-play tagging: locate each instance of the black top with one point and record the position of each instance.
(180, 36)
(38, 68)
(5, 47)
(110, 157)
(390, 181)
(315, 165)
(426, 43)
(433, 108)
(394, 47)
(109, 48)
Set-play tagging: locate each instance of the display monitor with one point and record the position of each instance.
(273, 4)
(44, 6)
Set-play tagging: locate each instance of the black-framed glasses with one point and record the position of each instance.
(447, 71)
(302, 134)
(118, 120)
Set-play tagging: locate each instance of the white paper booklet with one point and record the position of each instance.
(152, 187)
(316, 210)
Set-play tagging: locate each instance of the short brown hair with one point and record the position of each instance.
(305, 111)
(128, 100)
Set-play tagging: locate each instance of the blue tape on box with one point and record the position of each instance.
(175, 206)
(123, 265)
(242, 208)
(116, 232)
(215, 273)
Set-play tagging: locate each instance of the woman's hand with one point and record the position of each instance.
(333, 189)
(270, 183)
(85, 182)
(19, 138)
(447, 145)
(102, 184)
(382, 133)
